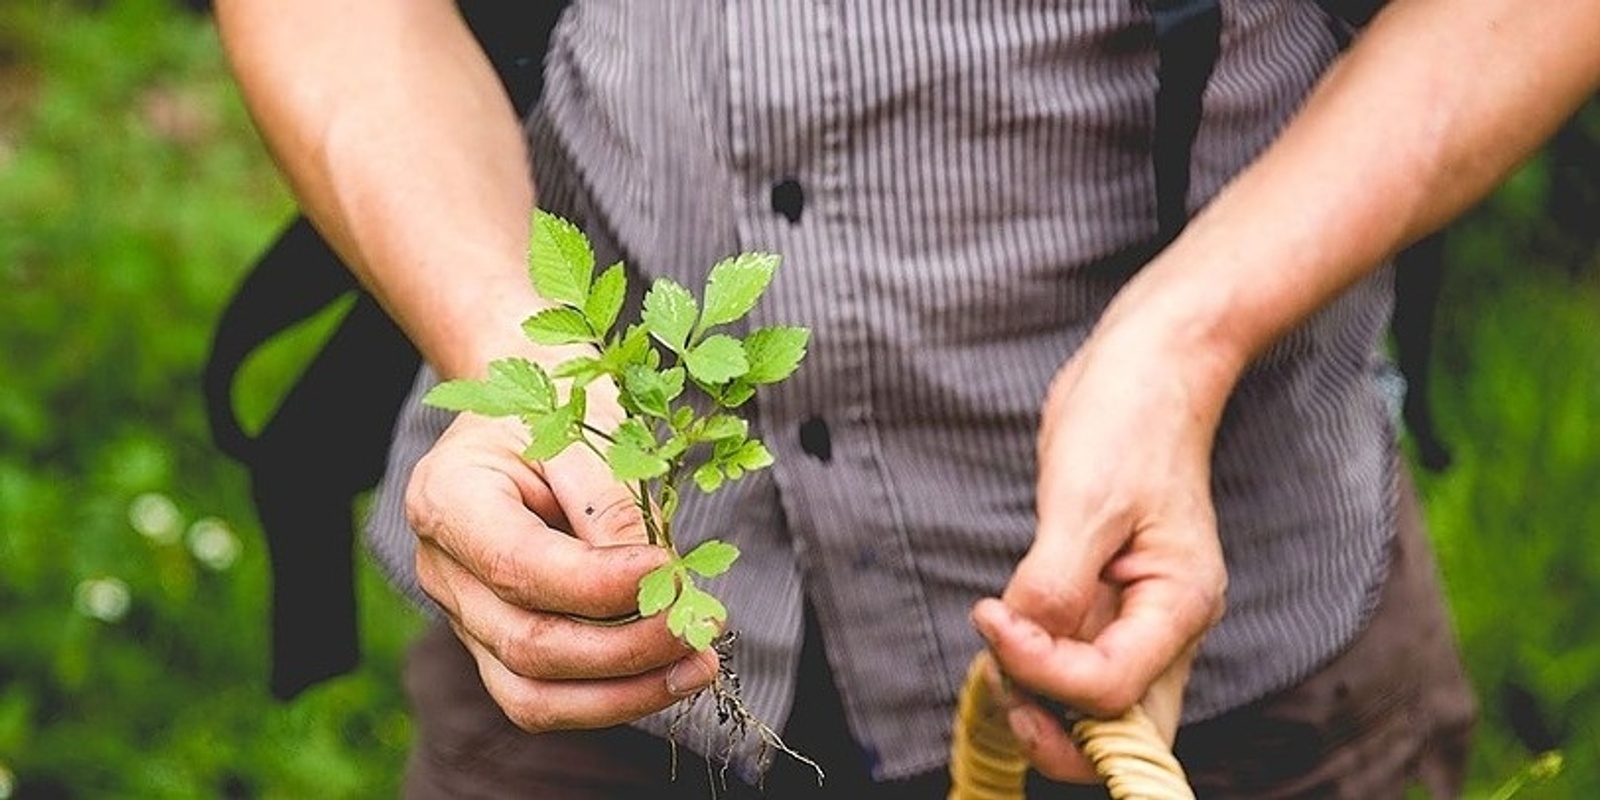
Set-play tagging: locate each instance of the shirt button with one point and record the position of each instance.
(814, 439)
(788, 199)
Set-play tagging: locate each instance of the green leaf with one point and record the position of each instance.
(633, 454)
(669, 314)
(581, 369)
(735, 457)
(751, 456)
(723, 426)
(632, 348)
(560, 262)
(711, 558)
(514, 386)
(675, 379)
(734, 285)
(636, 433)
(657, 589)
(478, 397)
(558, 326)
(550, 434)
(737, 394)
(630, 462)
(708, 477)
(553, 431)
(652, 391)
(668, 501)
(775, 352)
(696, 617)
(605, 299)
(718, 359)
(682, 418)
(675, 445)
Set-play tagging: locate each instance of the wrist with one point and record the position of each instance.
(481, 321)
(1186, 328)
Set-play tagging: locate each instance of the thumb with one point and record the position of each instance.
(1058, 586)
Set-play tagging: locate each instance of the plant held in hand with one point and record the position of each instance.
(680, 374)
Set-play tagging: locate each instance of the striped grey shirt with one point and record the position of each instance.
(957, 188)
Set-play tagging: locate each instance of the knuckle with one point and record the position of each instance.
(422, 510)
(1211, 596)
(421, 515)
(429, 580)
(1217, 606)
(643, 653)
(503, 574)
(433, 578)
(1038, 593)
(533, 715)
(520, 650)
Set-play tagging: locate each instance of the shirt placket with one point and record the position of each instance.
(791, 93)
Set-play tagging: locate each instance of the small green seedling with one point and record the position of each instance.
(680, 373)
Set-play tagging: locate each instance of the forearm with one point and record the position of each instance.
(401, 145)
(1429, 111)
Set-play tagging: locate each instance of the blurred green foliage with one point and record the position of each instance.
(133, 582)
(1516, 389)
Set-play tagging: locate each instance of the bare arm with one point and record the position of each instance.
(1432, 107)
(403, 148)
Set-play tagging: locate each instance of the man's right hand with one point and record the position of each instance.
(518, 555)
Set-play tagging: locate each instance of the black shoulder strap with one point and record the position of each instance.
(1188, 38)
(1418, 280)
(324, 444)
(328, 439)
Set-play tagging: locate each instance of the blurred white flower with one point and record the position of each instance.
(8, 783)
(156, 517)
(105, 599)
(213, 543)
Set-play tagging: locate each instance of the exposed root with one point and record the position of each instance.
(734, 719)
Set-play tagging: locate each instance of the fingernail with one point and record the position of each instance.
(1024, 726)
(688, 676)
(1005, 694)
(981, 616)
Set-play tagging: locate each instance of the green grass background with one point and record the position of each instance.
(133, 194)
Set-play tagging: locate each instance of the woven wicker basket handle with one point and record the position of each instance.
(986, 762)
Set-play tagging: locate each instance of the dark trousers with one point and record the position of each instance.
(1395, 710)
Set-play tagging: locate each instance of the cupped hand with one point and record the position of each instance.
(527, 561)
(1125, 575)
